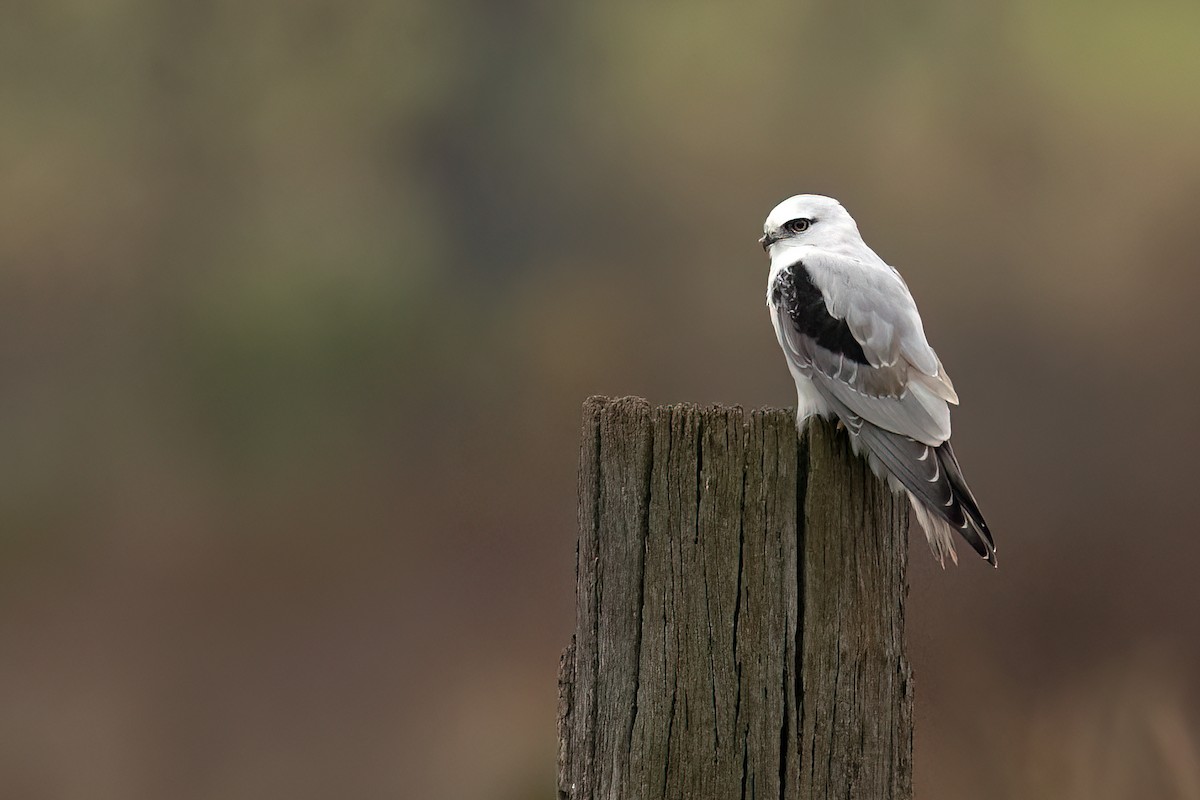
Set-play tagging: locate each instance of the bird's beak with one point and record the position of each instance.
(766, 241)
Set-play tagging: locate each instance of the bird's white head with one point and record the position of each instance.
(813, 220)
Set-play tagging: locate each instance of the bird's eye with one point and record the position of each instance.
(797, 225)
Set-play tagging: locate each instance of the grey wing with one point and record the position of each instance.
(933, 478)
(854, 331)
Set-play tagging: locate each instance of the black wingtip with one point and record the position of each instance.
(978, 536)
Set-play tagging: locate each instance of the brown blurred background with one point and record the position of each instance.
(299, 300)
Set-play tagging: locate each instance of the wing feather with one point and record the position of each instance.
(880, 310)
(889, 390)
(933, 479)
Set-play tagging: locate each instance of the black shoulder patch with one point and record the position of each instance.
(796, 296)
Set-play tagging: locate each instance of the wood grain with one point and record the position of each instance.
(740, 612)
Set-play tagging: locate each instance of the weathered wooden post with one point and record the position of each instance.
(740, 613)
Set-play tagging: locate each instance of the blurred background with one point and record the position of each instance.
(299, 302)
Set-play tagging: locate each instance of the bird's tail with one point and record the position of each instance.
(938, 531)
(933, 481)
